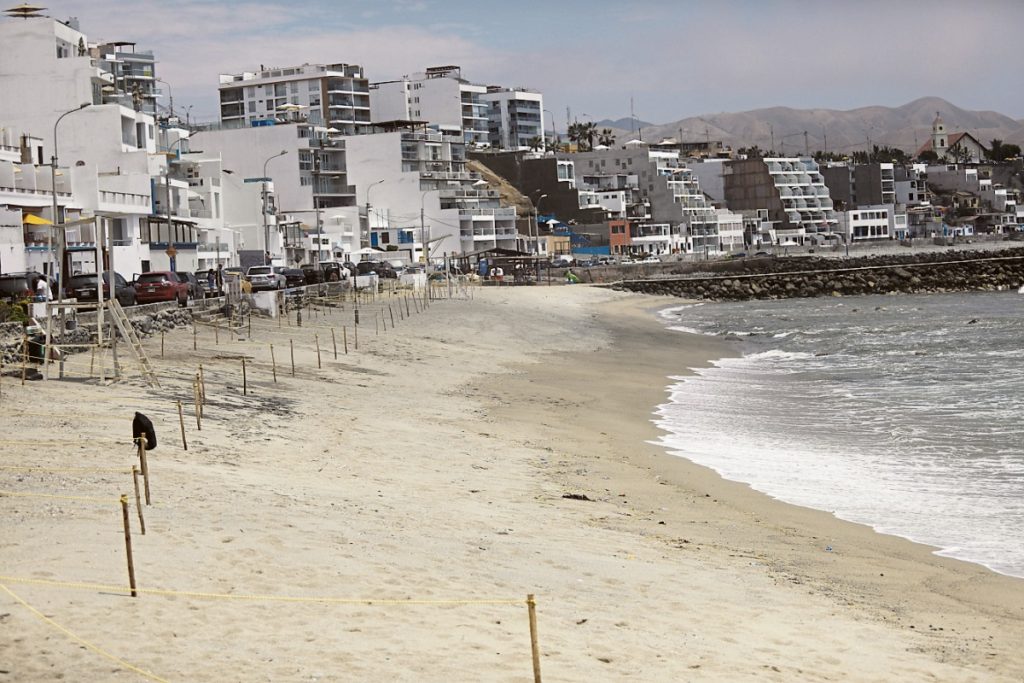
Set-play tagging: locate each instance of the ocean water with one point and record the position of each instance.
(905, 413)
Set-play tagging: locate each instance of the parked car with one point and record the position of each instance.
(203, 277)
(293, 277)
(195, 290)
(162, 285)
(264, 278)
(22, 285)
(332, 271)
(562, 261)
(312, 274)
(383, 269)
(83, 288)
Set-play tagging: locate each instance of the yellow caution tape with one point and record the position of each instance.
(84, 499)
(79, 639)
(98, 470)
(252, 597)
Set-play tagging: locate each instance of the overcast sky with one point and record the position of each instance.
(675, 58)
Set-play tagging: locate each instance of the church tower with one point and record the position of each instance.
(940, 141)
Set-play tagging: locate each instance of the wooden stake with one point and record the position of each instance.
(92, 361)
(250, 326)
(407, 314)
(334, 343)
(357, 317)
(145, 466)
(195, 331)
(291, 345)
(202, 385)
(344, 338)
(273, 363)
(195, 400)
(24, 359)
(181, 421)
(216, 333)
(392, 313)
(138, 502)
(355, 332)
(199, 391)
(161, 343)
(316, 338)
(128, 545)
(245, 382)
(531, 605)
(376, 325)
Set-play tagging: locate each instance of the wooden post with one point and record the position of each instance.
(195, 399)
(128, 544)
(92, 361)
(531, 605)
(194, 333)
(245, 382)
(376, 324)
(355, 332)
(145, 466)
(161, 343)
(198, 384)
(249, 332)
(406, 297)
(357, 317)
(334, 343)
(344, 338)
(216, 333)
(24, 358)
(392, 313)
(138, 502)
(181, 421)
(291, 345)
(273, 363)
(202, 385)
(319, 365)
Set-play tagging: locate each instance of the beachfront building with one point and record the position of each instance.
(515, 118)
(872, 223)
(860, 184)
(658, 194)
(306, 178)
(133, 72)
(439, 96)
(415, 190)
(105, 142)
(335, 96)
(790, 189)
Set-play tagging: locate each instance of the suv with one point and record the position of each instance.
(264, 277)
(83, 288)
(195, 290)
(293, 277)
(383, 269)
(162, 285)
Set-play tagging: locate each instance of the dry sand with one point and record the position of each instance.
(431, 465)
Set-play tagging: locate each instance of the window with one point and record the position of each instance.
(252, 106)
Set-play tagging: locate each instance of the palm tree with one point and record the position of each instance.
(536, 143)
(578, 134)
(606, 137)
(590, 132)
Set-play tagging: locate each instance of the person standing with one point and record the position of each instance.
(220, 279)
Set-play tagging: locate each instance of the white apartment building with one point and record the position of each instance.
(133, 72)
(875, 222)
(415, 190)
(104, 146)
(310, 181)
(515, 117)
(439, 96)
(335, 96)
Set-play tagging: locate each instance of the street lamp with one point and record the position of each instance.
(170, 95)
(554, 133)
(172, 151)
(423, 228)
(266, 228)
(536, 224)
(56, 223)
(370, 187)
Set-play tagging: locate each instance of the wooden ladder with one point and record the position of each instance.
(124, 326)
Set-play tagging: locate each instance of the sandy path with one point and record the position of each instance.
(431, 464)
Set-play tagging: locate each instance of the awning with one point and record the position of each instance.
(32, 219)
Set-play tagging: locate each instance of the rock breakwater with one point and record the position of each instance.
(784, 278)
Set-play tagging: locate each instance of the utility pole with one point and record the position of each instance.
(807, 146)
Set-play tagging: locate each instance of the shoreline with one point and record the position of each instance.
(932, 593)
(432, 464)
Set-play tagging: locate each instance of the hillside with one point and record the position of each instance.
(906, 127)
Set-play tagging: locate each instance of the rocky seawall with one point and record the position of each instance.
(784, 278)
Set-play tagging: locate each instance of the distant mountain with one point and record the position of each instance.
(625, 124)
(906, 127)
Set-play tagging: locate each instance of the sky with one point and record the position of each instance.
(672, 58)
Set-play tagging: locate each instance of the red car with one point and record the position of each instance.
(160, 286)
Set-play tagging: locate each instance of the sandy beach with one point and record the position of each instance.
(423, 477)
